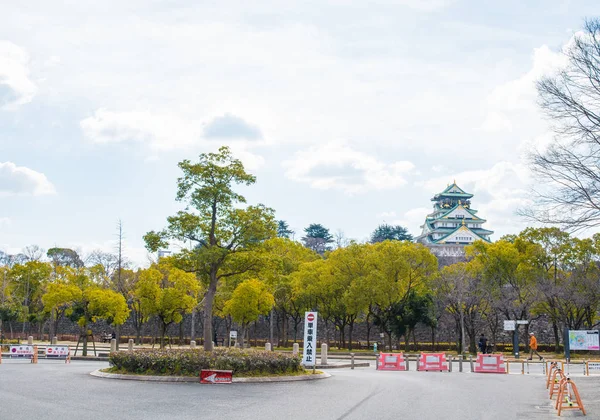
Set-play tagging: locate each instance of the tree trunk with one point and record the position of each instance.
(208, 311)
(193, 328)
(433, 338)
(241, 336)
(556, 337)
(368, 321)
(85, 341)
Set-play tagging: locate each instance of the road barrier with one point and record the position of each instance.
(490, 363)
(391, 361)
(557, 376)
(58, 352)
(568, 397)
(432, 361)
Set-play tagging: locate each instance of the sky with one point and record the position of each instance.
(349, 113)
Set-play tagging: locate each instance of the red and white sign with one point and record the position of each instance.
(57, 351)
(490, 363)
(209, 376)
(21, 351)
(309, 352)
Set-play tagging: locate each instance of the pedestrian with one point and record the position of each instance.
(482, 344)
(533, 346)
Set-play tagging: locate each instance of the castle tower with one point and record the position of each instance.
(453, 224)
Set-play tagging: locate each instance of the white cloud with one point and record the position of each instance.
(20, 180)
(496, 121)
(338, 166)
(413, 219)
(520, 94)
(386, 214)
(4, 222)
(159, 131)
(16, 88)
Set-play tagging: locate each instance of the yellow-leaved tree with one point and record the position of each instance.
(167, 293)
(249, 300)
(85, 302)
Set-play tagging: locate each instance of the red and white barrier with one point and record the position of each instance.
(433, 361)
(391, 361)
(490, 363)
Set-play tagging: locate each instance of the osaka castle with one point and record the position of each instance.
(453, 224)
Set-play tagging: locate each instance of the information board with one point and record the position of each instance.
(584, 340)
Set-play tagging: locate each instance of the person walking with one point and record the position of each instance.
(533, 346)
(482, 344)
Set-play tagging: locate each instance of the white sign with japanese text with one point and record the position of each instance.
(509, 325)
(309, 352)
(57, 351)
(21, 351)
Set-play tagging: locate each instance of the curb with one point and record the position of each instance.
(192, 379)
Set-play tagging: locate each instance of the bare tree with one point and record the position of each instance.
(568, 193)
(33, 252)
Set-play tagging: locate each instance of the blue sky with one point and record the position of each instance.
(349, 113)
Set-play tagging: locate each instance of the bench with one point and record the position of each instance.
(106, 337)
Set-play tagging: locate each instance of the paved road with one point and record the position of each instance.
(53, 389)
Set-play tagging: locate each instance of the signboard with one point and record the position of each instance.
(211, 376)
(233, 334)
(509, 325)
(21, 351)
(57, 351)
(584, 340)
(522, 322)
(309, 352)
(594, 366)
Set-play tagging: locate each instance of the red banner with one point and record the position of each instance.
(216, 376)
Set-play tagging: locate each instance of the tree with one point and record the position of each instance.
(317, 238)
(33, 252)
(283, 229)
(224, 234)
(249, 300)
(167, 293)
(397, 268)
(385, 232)
(86, 301)
(65, 257)
(568, 168)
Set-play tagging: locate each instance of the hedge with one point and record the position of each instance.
(189, 362)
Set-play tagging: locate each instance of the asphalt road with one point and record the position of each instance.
(52, 389)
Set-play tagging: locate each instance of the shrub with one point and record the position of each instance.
(189, 362)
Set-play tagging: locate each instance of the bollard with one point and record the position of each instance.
(460, 361)
(407, 364)
(528, 367)
(295, 349)
(268, 346)
(351, 360)
(34, 359)
(471, 363)
(449, 357)
(522, 367)
(30, 340)
(0, 354)
(113, 345)
(130, 344)
(54, 340)
(193, 344)
(324, 349)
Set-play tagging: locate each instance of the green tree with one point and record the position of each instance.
(65, 257)
(385, 232)
(221, 231)
(317, 238)
(86, 301)
(167, 293)
(397, 269)
(283, 229)
(249, 300)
